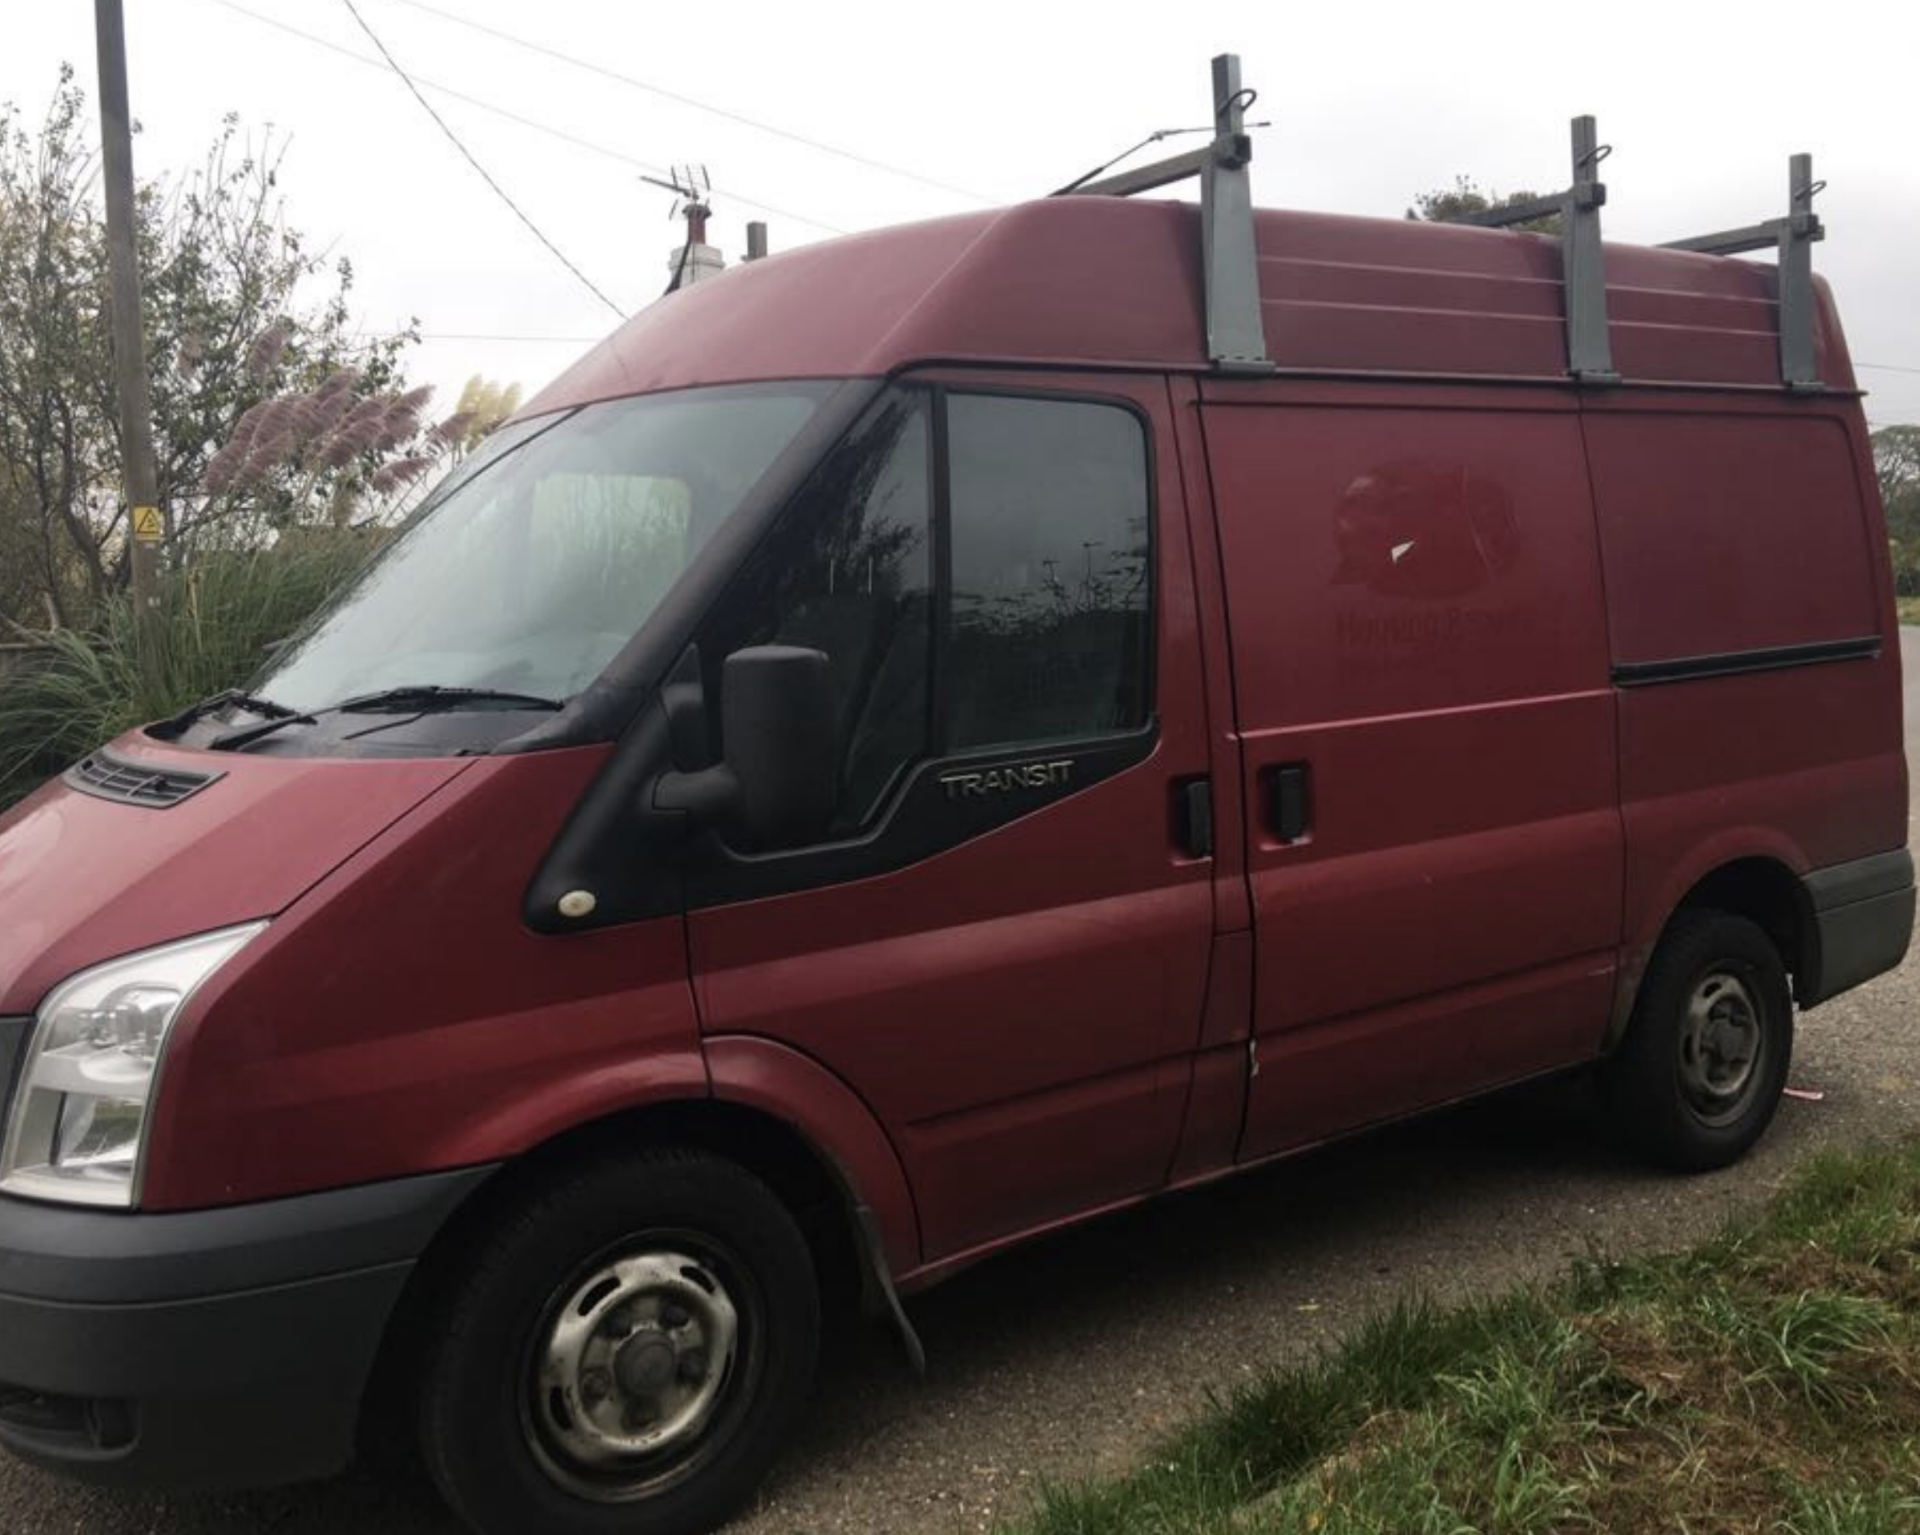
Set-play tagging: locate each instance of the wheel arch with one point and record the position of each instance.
(1764, 886)
(772, 1111)
(1774, 898)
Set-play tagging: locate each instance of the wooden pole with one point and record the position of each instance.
(145, 521)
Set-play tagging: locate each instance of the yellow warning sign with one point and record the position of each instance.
(146, 524)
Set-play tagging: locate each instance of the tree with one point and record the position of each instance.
(1465, 196)
(229, 324)
(484, 404)
(1896, 460)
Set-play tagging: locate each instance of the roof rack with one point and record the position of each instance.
(1236, 334)
(1793, 236)
(1230, 263)
(1589, 349)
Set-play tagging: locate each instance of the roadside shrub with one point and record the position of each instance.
(220, 618)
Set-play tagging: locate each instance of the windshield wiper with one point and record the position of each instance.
(230, 698)
(233, 740)
(422, 698)
(429, 697)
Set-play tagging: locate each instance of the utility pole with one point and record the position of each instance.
(145, 523)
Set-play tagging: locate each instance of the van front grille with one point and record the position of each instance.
(107, 777)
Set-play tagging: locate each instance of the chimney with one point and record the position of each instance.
(693, 260)
(701, 260)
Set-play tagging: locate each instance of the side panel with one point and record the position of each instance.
(1745, 533)
(1018, 1011)
(401, 1019)
(1418, 638)
(761, 1074)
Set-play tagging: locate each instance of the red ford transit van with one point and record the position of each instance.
(914, 743)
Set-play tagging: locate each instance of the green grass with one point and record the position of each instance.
(1909, 609)
(1767, 1381)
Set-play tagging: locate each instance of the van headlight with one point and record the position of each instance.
(79, 1122)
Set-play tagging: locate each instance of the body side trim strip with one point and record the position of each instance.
(1639, 674)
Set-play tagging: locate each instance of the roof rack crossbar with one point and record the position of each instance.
(1793, 236)
(1145, 178)
(1229, 257)
(1583, 263)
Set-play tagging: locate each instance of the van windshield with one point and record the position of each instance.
(538, 558)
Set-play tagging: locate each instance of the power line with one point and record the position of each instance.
(691, 101)
(467, 154)
(526, 122)
(1886, 367)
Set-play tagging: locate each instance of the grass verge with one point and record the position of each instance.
(1909, 609)
(1767, 1381)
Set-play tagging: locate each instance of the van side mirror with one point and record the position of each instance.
(777, 775)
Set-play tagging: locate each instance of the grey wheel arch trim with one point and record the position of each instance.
(1863, 923)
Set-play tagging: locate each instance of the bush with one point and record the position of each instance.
(218, 622)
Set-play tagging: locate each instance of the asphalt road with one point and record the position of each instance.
(1073, 1356)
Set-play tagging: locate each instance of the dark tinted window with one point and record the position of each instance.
(849, 572)
(1049, 556)
(1047, 518)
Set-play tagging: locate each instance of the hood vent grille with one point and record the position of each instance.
(107, 777)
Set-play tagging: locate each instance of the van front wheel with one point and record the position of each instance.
(623, 1354)
(1697, 1079)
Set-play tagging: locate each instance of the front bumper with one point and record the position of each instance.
(220, 1348)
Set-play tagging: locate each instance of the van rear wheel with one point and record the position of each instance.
(624, 1353)
(1699, 1075)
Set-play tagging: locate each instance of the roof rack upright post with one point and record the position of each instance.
(1236, 333)
(1229, 256)
(1583, 261)
(1582, 257)
(1793, 237)
(1798, 230)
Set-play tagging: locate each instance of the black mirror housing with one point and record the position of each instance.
(777, 779)
(777, 734)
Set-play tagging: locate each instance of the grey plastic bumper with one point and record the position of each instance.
(221, 1348)
(1863, 914)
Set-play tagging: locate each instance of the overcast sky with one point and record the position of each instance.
(1371, 104)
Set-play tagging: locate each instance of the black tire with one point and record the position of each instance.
(1716, 984)
(504, 1443)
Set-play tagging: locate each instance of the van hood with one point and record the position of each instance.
(86, 876)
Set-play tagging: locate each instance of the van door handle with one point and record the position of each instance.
(1287, 801)
(1193, 816)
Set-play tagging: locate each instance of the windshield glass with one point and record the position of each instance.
(539, 558)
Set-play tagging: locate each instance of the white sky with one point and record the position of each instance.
(1371, 103)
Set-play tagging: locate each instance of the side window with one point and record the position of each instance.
(1048, 517)
(1041, 629)
(849, 571)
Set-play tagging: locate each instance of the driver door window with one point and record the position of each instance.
(1005, 605)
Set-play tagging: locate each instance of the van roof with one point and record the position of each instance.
(1113, 282)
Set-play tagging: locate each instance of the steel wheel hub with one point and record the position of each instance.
(1721, 1043)
(631, 1365)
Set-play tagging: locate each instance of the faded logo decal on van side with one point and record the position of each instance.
(1423, 528)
